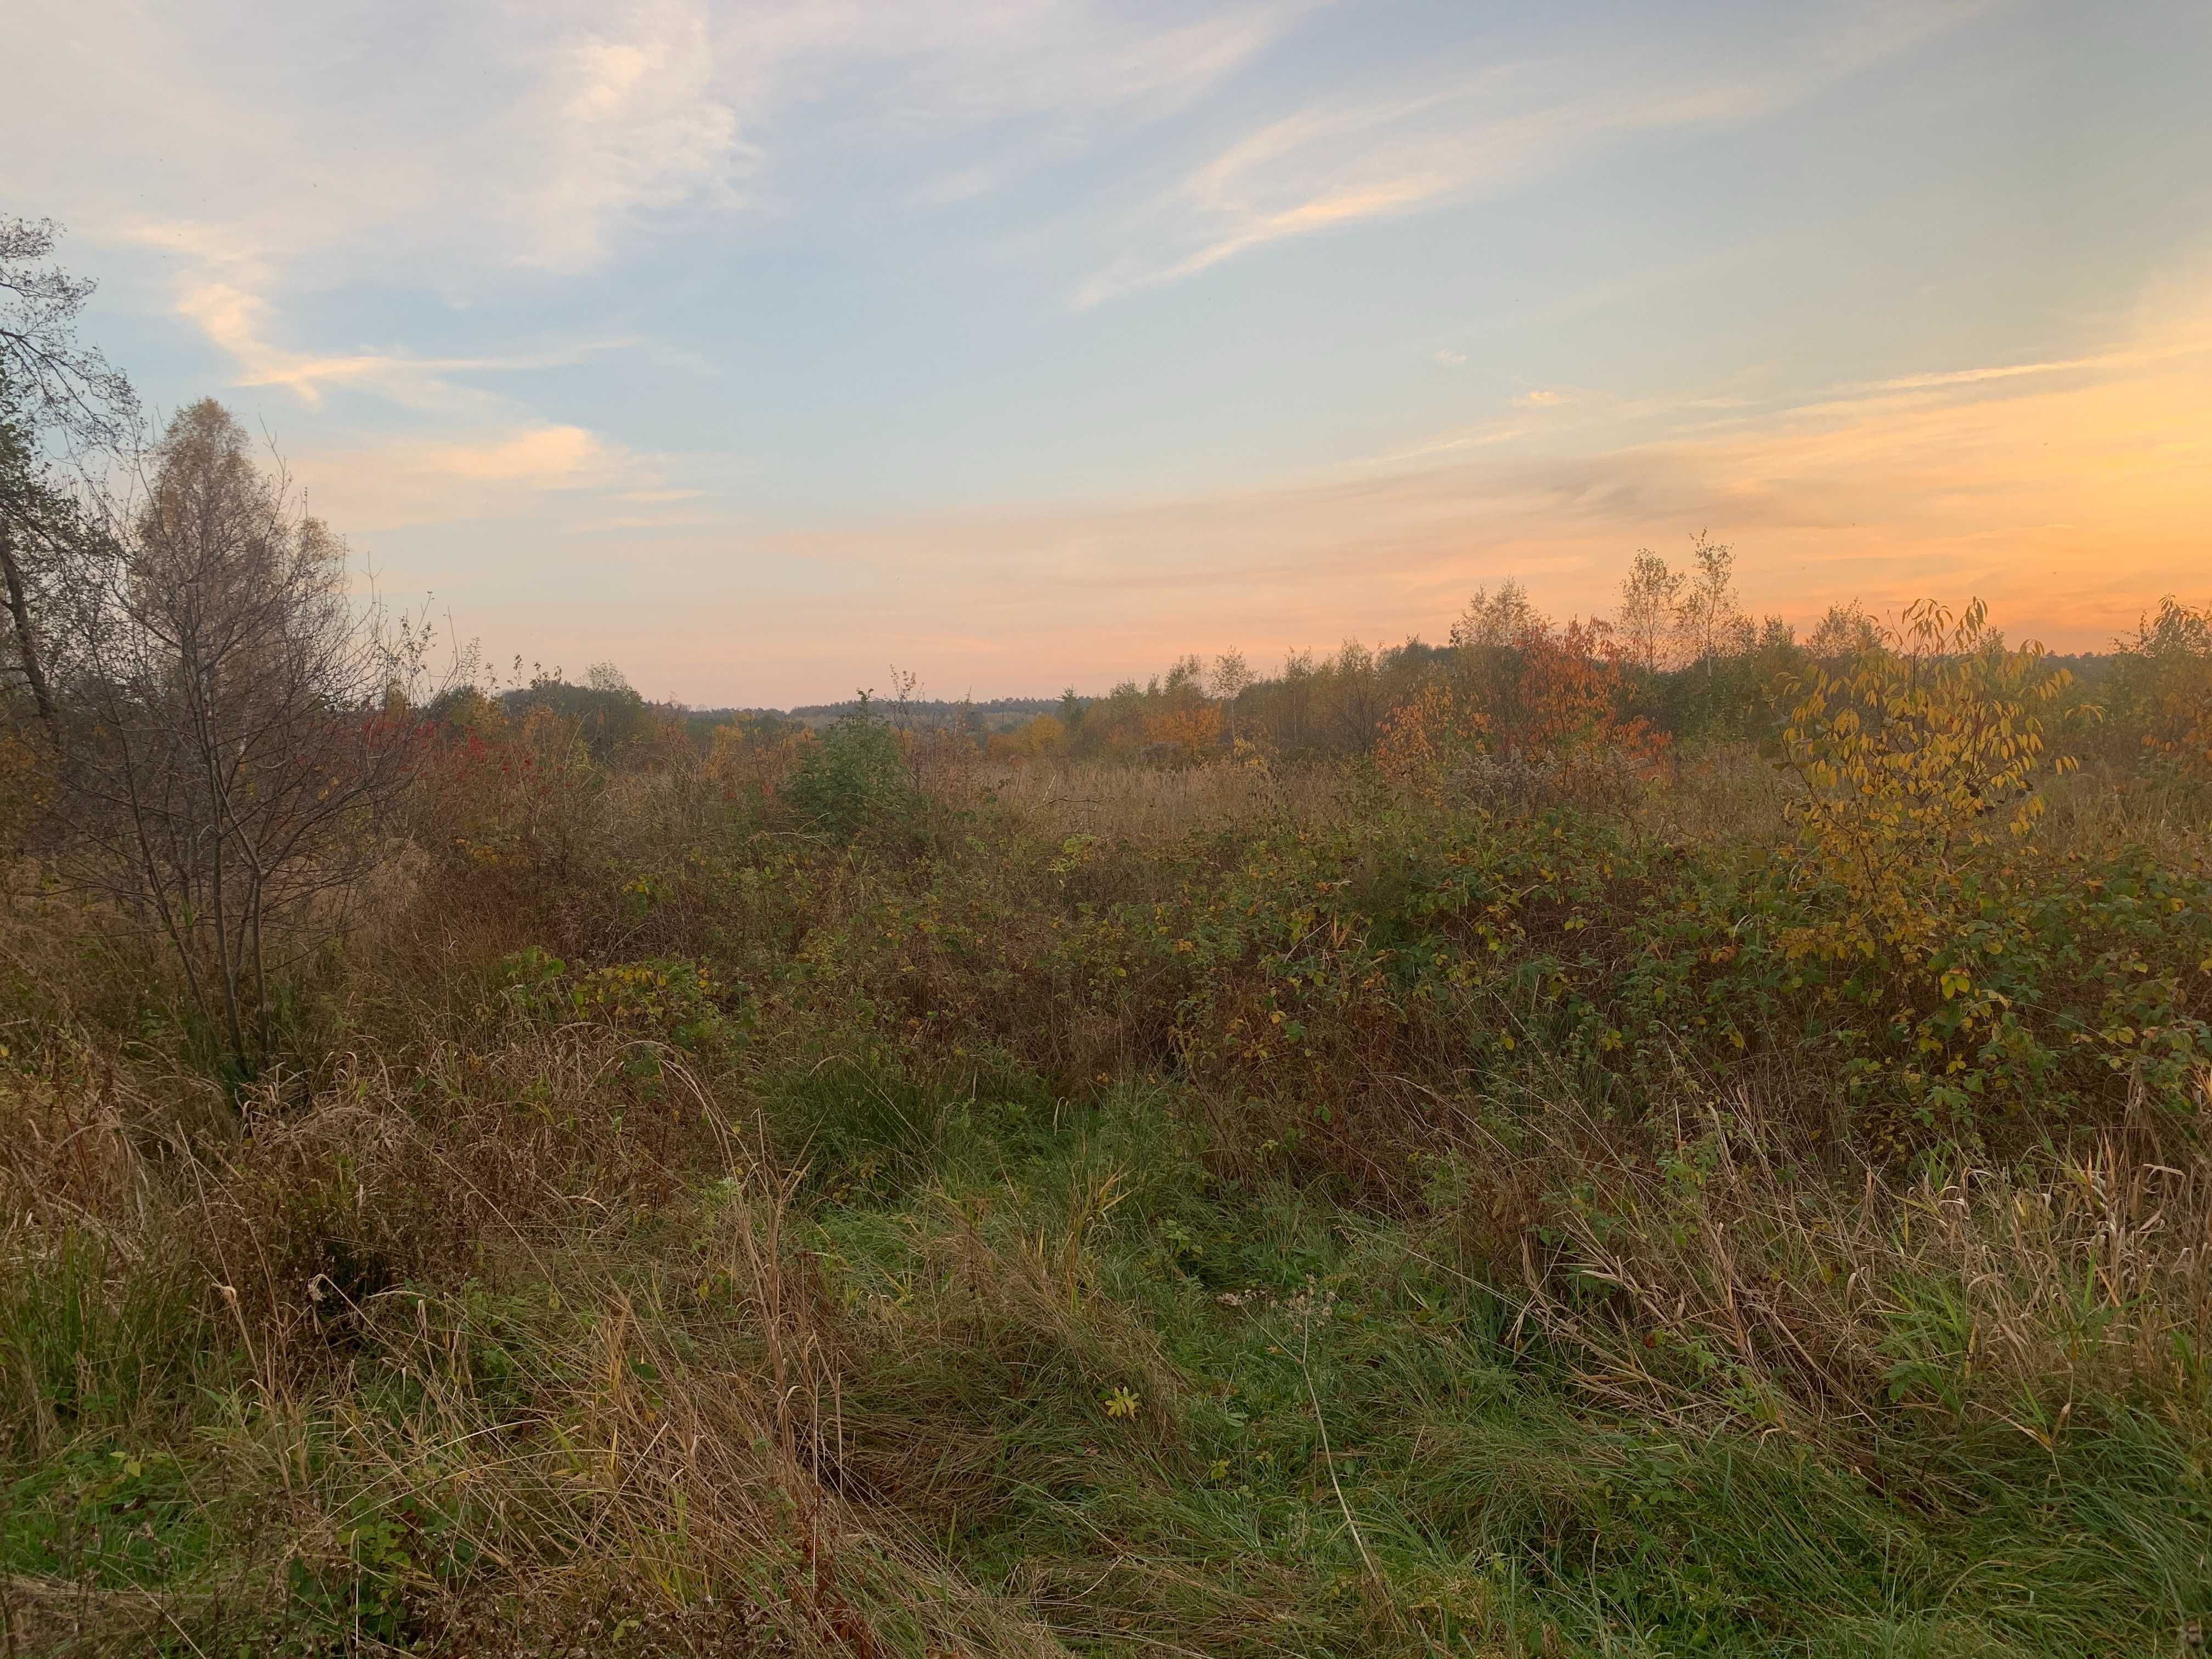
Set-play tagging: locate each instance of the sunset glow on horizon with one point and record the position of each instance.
(756, 347)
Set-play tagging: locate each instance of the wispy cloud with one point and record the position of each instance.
(1936, 379)
(552, 475)
(321, 143)
(547, 455)
(547, 136)
(240, 322)
(446, 149)
(621, 121)
(1348, 160)
(474, 453)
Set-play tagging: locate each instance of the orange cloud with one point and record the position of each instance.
(548, 456)
(514, 473)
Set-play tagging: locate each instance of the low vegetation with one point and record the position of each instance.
(1652, 1140)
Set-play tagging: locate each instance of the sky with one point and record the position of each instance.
(1027, 343)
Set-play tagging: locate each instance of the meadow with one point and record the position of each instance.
(1533, 1146)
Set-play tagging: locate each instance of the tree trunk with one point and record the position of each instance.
(27, 644)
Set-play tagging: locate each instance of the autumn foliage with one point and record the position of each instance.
(2166, 686)
(1920, 752)
(1550, 698)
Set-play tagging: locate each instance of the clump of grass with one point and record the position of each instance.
(1723, 1270)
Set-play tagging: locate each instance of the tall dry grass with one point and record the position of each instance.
(475, 1366)
(1743, 1273)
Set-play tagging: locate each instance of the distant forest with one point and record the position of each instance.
(1682, 661)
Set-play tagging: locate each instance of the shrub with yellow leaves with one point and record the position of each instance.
(1989, 974)
(1925, 749)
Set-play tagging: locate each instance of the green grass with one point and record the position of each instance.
(1343, 1443)
(1482, 1494)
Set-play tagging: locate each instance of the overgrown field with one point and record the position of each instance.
(1232, 1212)
(1651, 1137)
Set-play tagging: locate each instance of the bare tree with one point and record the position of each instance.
(1292, 706)
(1493, 621)
(1231, 679)
(1709, 620)
(1353, 681)
(58, 397)
(1650, 595)
(234, 727)
(65, 385)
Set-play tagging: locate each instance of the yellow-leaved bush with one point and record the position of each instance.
(1984, 980)
(1921, 753)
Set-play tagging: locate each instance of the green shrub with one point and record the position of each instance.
(674, 999)
(855, 779)
(1527, 953)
